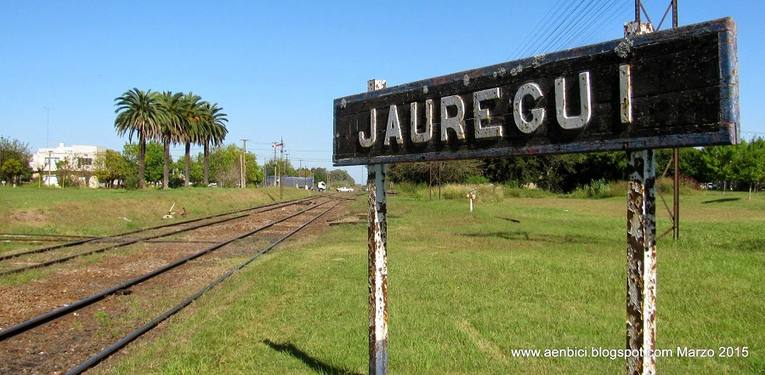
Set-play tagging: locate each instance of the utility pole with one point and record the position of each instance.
(282, 169)
(276, 164)
(286, 161)
(300, 168)
(47, 126)
(50, 160)
(243, 171)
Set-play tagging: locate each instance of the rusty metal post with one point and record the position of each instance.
(676, 195)
(377, 239)
(637, 11)
(641, 263)
(676, 161)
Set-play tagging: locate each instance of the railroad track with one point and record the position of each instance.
(85, 239)
(288, 226)
(120, 240)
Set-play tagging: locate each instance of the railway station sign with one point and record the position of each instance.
(671, 88)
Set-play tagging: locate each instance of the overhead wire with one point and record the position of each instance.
(537, 30)
(594, 20)
(576, 21)
(608, 15)
(545, 32)
(572, 26)
(543, 46)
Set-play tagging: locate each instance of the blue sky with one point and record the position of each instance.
(276, 67)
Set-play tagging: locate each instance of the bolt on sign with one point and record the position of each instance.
(672, 88)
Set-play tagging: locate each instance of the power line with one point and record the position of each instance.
(545, 42)
(592, 20)
(542, 34)
(570, 27)
(609, 15)
(537, 29)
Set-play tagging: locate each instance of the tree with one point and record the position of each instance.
(749, 163)
(66, 172)
(14, 160)
(451, 171)
(111, 166)
(191, 130)
(340, 177)
(12, 169)
(138, 113)
(213, 132)
(718, 160)
(319, 174)
(284, 167)
(170, 128)
(195, 169)
(225, 166)
(154, 156)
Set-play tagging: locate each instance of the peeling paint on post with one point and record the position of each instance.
(377, 238)
(641, 263)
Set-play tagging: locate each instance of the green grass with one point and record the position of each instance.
(464, 291)
(98, 212)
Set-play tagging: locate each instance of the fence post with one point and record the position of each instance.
(641, 263)
(377, 238)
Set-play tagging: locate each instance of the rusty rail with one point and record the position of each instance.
(51, 262)
(130, 337)
(79, 304)
(91, 239)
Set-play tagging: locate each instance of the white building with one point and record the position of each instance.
(80, 160)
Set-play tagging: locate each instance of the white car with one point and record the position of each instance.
(345, 189)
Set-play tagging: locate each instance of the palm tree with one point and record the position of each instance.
(138, 112)
(213, 132)
(192, 121)
(171, 128)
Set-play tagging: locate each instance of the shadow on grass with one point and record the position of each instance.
(721, 200)
(314, 363)
(524, 235)
(509, 219)
(753, 245)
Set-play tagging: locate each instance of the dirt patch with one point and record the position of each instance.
(35, 218)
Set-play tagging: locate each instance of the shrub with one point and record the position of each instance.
(484, 192)
(513, 190)
(477, 180)
(687, 185)
(455, 191)
(131, 182)
(596, 189)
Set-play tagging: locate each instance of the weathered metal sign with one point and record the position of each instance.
(666, 89)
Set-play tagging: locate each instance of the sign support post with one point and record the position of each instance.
(377, 239)
(641, 263)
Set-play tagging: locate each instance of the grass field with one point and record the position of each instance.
(98, 212)
(465, 290)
